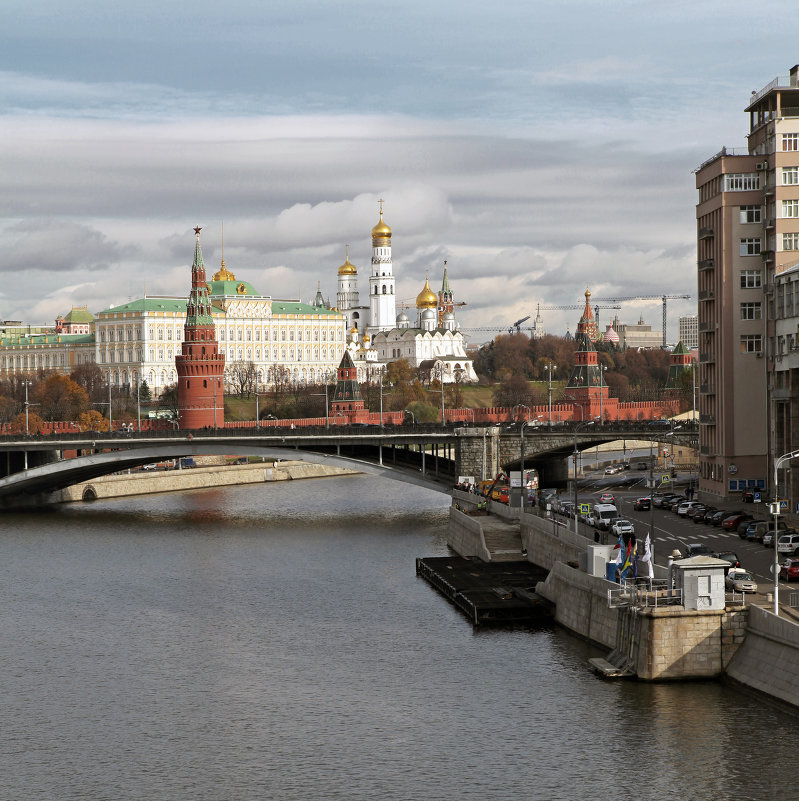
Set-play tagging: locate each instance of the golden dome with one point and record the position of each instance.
(381, 230)
(348, 268)
(224, 274)
(426, 299)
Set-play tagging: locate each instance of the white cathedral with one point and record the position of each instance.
(434, 345)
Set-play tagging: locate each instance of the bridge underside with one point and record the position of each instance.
(38, 483)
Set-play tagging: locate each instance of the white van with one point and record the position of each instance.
(604, 515)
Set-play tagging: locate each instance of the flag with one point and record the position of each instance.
(647, 557)
(628, 559)
(619, 546)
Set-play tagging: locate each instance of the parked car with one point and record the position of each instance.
(731, 523)
(716, 519)
(700, 515)
(696, 549)
(642, 504)
(728, 556)
(622, 527)
(740, 580)
(789, 570)
(607, 497)
(151, 466)
(683, 509)
(788, 543)
(768, 537)
(692, 510)
(673, 501)
(657, 498)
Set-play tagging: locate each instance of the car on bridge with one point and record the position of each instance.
(789, 570)
(740, 580)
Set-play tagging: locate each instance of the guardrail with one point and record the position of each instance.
(644, 593)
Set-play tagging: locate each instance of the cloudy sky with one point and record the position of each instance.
(539, 147)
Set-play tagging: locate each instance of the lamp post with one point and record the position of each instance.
(138, 404)
(574, 457)
(786, 457)
(550, 368)
(693, 392)
(520, 406)
(524, 483)
(26, 384)
(413, 416)
(440, 372)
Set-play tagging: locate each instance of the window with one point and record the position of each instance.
(741, 182)
(790, 141)
(750, 311)
(751, 279)
(750, 214)
(169, 333)
(790, 208)
(790, 241)
(751, 343)
(750, 246)
(790, 176)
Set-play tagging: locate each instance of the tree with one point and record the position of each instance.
(145, 394)
(92, 420)
(92, 380)
(30, 423)
(513, 390)
(60, 398)
(399, 372)
(168, 400)
(424, 412)
(241, 378)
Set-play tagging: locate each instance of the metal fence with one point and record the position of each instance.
(643, 593)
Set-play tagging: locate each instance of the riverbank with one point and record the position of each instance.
(141, 482)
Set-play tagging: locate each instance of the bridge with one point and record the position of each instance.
(430, 456)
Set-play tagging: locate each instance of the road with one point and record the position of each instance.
(670, 532)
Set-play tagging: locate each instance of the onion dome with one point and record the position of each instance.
(224, 274)
(426, 299)
(611, 335)
(348, 268)
(402, 318)
(381, 233)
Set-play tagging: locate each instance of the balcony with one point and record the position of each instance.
(707, 389)
(767, 255)
(705, 264)
(705, 233)
(707, 294)
(707, 419)
(707, 358)
(707, 326)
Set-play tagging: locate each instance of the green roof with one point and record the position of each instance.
(295, 307)
(51, 339)
(79, 316)
(233, 288)
(149, 304)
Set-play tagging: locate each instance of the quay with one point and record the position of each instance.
(680, 626)
(488, 593)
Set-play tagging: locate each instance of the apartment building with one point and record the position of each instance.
(747, 246)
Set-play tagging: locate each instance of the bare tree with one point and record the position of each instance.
(242, 377)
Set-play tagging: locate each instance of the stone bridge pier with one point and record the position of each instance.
(483, 452)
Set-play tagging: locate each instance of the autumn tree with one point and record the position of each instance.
(513, 390)
(60, 398)
(92, 420)
(30, 423)
(90, 377)
(241, 378)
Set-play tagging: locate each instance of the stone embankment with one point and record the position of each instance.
(744, 643)
(146, 482)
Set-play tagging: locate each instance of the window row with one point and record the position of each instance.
(741, 182)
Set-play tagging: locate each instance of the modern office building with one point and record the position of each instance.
(689, 332)
(747, 246)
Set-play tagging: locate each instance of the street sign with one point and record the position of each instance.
(585, 508)
(666, 479)
(783, 506)
(756, 497)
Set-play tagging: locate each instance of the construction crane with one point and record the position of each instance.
(518, 325)
(663, 298)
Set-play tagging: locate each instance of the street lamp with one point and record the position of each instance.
(440, 372)
(26, 384)
(413, 416)
(520, 406)
(786, 457)
(574, 458)
(550, 368)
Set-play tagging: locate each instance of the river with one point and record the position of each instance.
(274, 642)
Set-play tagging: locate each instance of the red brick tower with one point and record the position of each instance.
(347, 400)
(199, 364)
